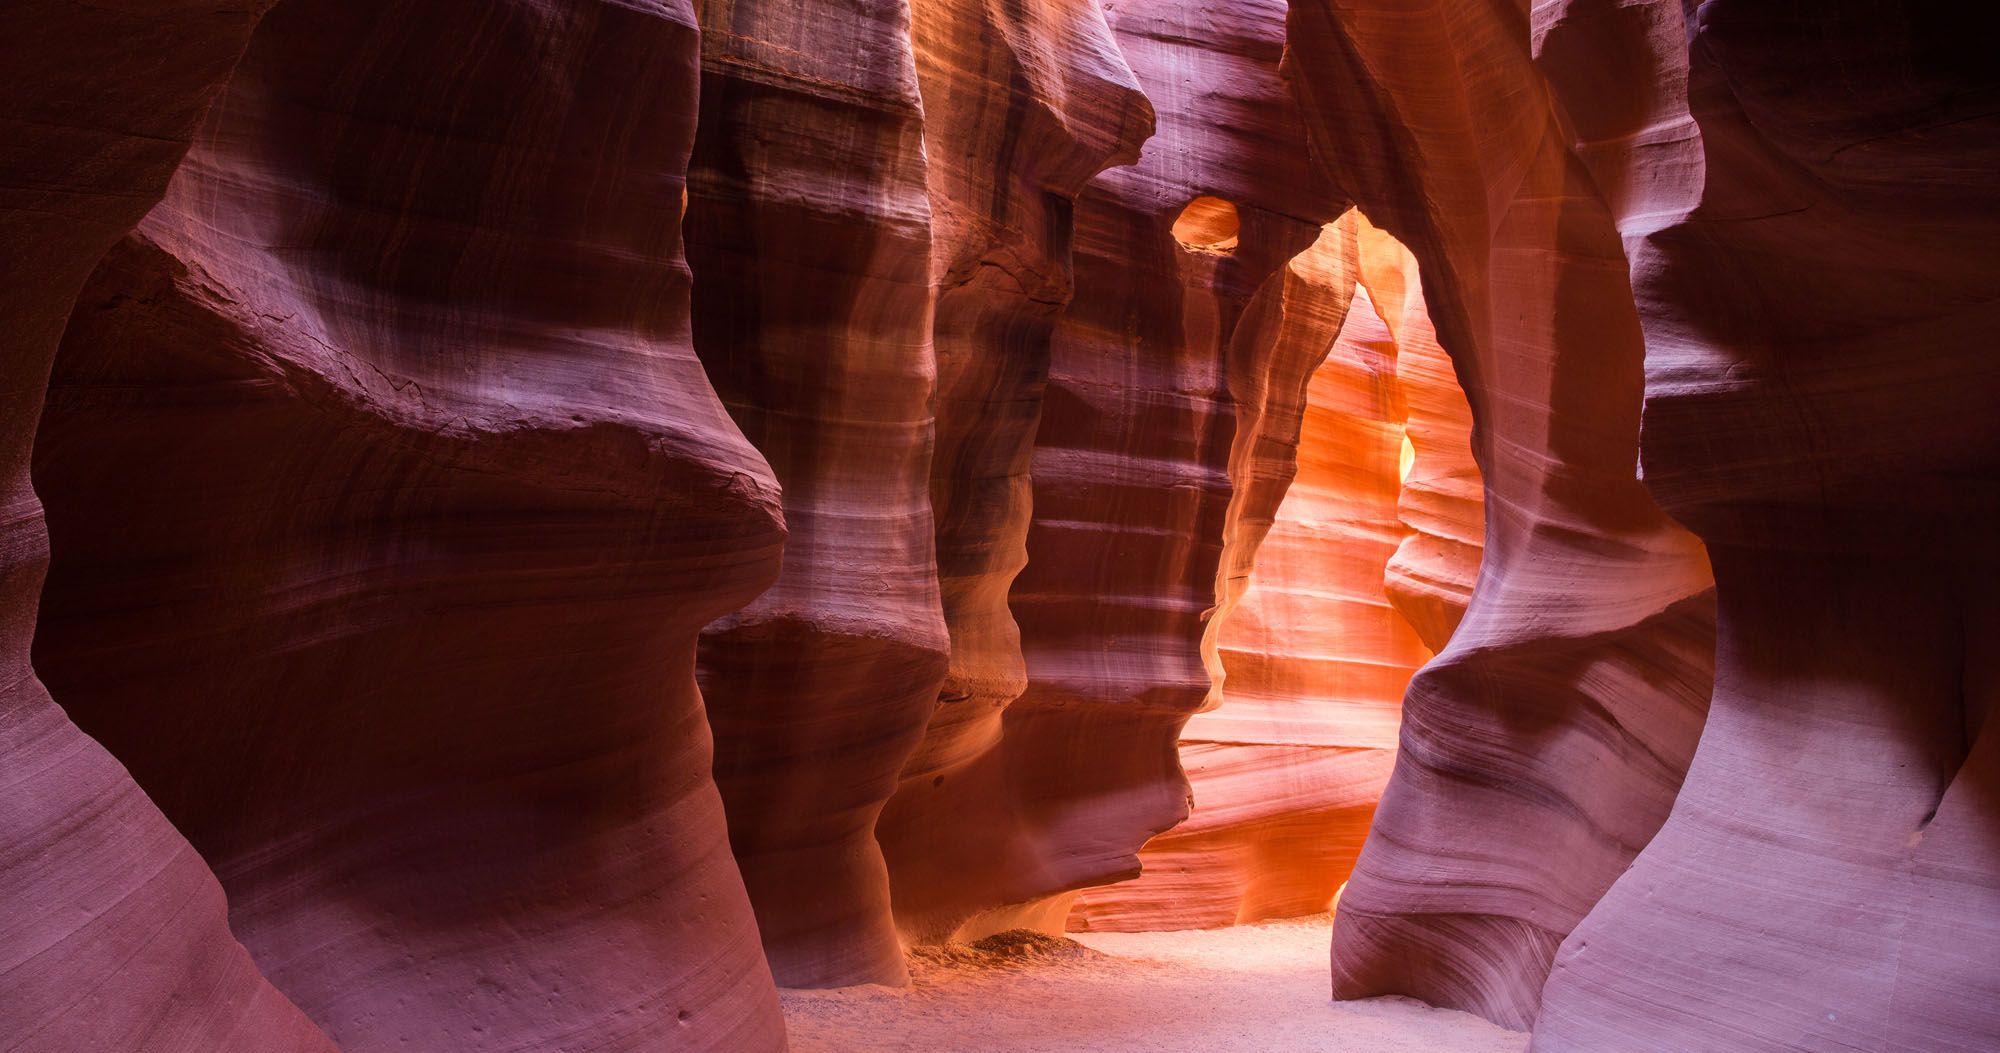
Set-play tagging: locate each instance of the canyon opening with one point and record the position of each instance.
(1096, 525)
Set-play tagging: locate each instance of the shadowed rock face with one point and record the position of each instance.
(393, 517)
(1023, 105)
(812, 314)
(113, 934)
(388, 497)
(1129, 498)
(1817, 281)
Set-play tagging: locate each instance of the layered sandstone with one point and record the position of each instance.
(387, 497)
(394, 526)
(1285, 771)
(1811, 223)
(812, 316)
(113, 932)
(1543, 747)
(1021, 107)
(1058, 789)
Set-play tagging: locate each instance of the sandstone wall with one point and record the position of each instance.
(113, 933)
(812, 315)
(1807, 200)
(1286, 768)
(400, 492)
(1544, 746)
(387, 497)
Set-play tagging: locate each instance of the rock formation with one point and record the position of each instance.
(1286, 770)
(387, 497)
(398, 491)
(812, 316)
(113, 933)
(1022, 106)
(1129, 493)
(1544, 745)
(1811, 226)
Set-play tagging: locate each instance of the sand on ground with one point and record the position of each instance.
(1249, 988)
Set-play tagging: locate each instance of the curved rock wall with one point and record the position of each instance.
(1022, 105)
(1545, 744)
(1811, 224)
(1129, 491)
(1285, 772)
(387, 497)
(388, 493)
(113, 932)
(812, 316)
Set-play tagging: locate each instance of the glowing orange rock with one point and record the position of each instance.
(1544, 745)
(1285, 770)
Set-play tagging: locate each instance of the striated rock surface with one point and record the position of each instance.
(351, 679)
(1129, 493)
(812, 314)
(387, 498)
(1285, 772)
(1543, 747)
(113, 932)
(1022, 106)
(1811, 225)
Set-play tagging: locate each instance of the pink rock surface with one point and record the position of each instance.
(1544, 745)
(113, 932)
(1285, 771)
(1022, 105)
(812, 314)
(1130, 490)
(387, 497)
(394, 527)
(1815, 270)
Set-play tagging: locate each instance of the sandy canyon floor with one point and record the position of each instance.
(1251, 988)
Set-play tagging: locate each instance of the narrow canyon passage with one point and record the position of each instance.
(584, 526)
(1363, 528)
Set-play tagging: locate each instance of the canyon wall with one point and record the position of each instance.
(1129, 491)
(1811, 225)
(1544, 745)
(1286, 769)
(812, 315)
(386, 499)
(113, 933)
(440, 618)
(1022, 105)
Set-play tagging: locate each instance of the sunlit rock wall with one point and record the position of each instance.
(1285, 771)
(387, 497)
(388, 493)
(1022, 106)
(1544, 746)
(1129, 491)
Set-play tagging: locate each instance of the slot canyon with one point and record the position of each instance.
(1098, 525)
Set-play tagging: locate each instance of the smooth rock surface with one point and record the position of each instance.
(812, 316)
(113, 931)
(387, 497)
(1285, 770)
(1815, 270)
(1544, 746)
(1130, 488)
